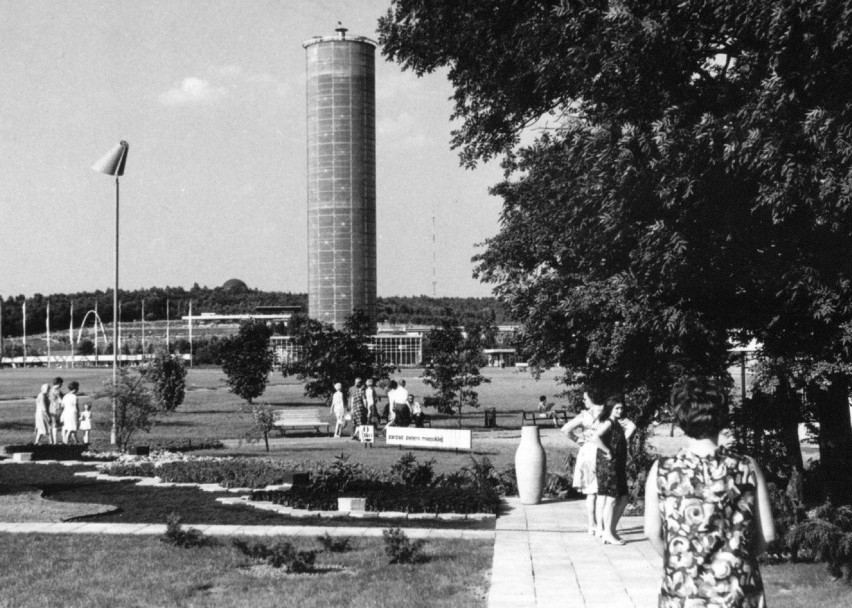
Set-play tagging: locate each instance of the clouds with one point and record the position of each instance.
(193, 91)
(227, 81)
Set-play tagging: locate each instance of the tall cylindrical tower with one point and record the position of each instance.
(341, 177)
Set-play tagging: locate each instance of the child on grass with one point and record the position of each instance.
(86, 421)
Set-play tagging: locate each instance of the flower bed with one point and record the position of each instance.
(227, 472)
(408, 487)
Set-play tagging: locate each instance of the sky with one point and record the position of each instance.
(210, 95)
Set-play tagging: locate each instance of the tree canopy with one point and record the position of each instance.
(247, 360)
(688, 180)
(328, 355)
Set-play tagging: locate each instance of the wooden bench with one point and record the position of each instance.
(535, 418)
(300, 419)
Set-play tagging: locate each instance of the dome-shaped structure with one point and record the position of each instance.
(234, 285)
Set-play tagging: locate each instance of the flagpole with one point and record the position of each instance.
(48, 335)
(71, 333)
(24, 315)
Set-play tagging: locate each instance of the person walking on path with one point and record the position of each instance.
(338, 408)
(357, 407)
(707, 510)
(42, 417)
(55, 410)
(611, 468)
(70, 413)
(585, 479)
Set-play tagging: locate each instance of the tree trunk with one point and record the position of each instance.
(266, 439)
(835, 438)
(789, 419)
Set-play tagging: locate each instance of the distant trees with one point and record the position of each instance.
(417, 310)
(247, 360)
(328, 355)
(453, 362)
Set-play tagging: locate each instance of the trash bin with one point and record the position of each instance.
(490, 417)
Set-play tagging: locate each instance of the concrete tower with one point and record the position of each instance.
(341, 177)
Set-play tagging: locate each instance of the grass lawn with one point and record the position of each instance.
(114, 571)
(804, 586)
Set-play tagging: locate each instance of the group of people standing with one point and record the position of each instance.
(56, 410)
(601, 468)
(707, 509)
(361, 406)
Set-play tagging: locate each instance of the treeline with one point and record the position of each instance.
(173, 302)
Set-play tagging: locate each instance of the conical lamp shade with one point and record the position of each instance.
(113, 161)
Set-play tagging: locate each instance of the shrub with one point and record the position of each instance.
(176, 536)
(281, 554)
(335, 544)
(825, 537)
(167, 375)
(400, 549)
(409, 472)
(129, 469)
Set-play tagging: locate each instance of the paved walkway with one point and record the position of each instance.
(544, 557)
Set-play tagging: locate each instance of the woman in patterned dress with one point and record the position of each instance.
(611, 468)
(707, 510)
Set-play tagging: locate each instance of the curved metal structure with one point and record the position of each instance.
(341, 177)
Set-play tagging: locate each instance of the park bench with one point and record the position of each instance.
(535, 418)
(294, 419)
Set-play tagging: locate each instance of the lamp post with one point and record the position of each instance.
(112, 163)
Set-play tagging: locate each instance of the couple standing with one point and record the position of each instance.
(601, 468)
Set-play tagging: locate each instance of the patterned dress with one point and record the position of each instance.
(612, 472)
(585, 479)
(708, 507)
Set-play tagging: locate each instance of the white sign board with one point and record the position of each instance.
(435, 439)
(367, 433)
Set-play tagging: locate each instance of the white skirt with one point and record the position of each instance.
(585, 477)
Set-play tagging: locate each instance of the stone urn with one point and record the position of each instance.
(530, 466)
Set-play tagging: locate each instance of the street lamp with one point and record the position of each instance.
(112, 163)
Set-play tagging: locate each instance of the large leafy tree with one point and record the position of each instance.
(455, 358)
(690, 183)
(327, 355)
(247, 360)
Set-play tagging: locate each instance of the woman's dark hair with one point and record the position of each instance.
(608, 406)
(392, 385)
(700, 406)
(73, 385)
(595, 393)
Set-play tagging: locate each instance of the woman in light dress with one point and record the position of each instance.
(42, 419)
(585, 479)
(70, 413)
(338, 409)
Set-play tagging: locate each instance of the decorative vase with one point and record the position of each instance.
(530, 466)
